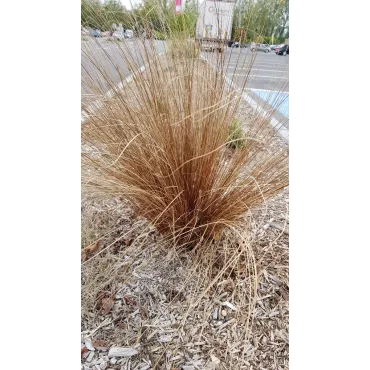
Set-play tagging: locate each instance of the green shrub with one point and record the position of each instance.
(159, 35)
(237, 135)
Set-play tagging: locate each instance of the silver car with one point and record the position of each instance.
(260, 47)
(118, 35)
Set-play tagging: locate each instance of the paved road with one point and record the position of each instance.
(109, 55)
(269, 71)
(265, 75)
(267, 81)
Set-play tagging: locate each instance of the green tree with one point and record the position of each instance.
(92, 13)
(266, 19)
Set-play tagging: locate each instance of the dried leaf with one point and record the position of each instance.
(100, 343)
(144, 313)
(93, 248)
(128, 242)
(107, 305)
(99, 298)
(129, 300)
(84, 350)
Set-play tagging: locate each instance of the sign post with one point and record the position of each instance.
(180, 6)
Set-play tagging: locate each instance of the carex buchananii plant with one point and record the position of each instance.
(161, 137)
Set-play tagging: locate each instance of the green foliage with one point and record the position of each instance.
(265, 21)
(237, 135)
(273, 40)
(264, 18)
(158, 15)
(159, 35)
(92, 14)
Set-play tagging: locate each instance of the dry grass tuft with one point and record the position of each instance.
(161, 142)
(163, 149)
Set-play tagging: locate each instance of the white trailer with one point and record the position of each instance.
(214, 24)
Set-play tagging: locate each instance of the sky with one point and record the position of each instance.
(127, 3)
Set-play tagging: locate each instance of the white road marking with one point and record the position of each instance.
(241, 74)
(247, 62)
(258, 69)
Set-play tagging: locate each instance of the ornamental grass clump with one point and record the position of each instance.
(161, 138)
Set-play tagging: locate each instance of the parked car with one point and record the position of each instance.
(233, 44)
(129, 34)
(118, 35)
(97, 33)
(282, 49)
(243, 45)
(273, 47)
(260, 47)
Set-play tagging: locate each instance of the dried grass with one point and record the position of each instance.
(168, 303)
(158, 174)
(161, 142)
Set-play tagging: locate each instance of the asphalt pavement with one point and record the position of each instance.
(264, 75)
(268, 70)
(100, 52)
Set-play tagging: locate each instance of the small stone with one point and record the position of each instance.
(89, 345)
(103, 365)
(113, 361)
(223, 313)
